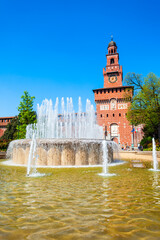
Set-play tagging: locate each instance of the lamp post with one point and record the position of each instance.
(132, 137)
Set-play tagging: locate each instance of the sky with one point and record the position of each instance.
(57, 48)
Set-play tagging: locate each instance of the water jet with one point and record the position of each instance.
(65, 139)
(154, 155)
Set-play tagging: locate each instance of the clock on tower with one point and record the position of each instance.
(112, 78)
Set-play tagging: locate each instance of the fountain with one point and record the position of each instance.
(154, 155)
(64, 139)
(31, 156)
(105, 172)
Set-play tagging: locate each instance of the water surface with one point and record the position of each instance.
(79, 204)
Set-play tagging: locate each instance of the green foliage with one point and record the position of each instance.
(4, 145)
(150, 149)
(145, 105)
(146, 142)
(26, 114)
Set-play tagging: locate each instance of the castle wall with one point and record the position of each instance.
(4, 121)
(113, 101)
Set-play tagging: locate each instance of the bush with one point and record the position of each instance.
(150, 149)
(4, 145)
(146, 141)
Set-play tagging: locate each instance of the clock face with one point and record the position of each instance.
(112, 79)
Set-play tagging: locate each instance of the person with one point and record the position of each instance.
(105, 134)
(138, 146)
(141, 148)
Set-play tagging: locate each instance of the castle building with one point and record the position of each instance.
(111, 101)
(4, 121)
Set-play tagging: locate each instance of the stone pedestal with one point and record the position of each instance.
(56, 152)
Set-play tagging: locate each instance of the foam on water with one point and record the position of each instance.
(106, 174)
(154, 170)
(10, 163)
(37, 174)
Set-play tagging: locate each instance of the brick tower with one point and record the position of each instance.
(111, 104)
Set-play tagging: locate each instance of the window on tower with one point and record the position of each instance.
(111, 50)
(112, 61)
(113, 103)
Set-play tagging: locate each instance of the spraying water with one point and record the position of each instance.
(68, 124)
(154, 154)
(105, 172)
(105, 157)
(31, 166)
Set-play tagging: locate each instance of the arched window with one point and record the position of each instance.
(111, 50)
(113, 103)
(114, 130)
(112, 61)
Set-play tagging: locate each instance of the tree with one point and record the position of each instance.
(26, 114)
(145, 104)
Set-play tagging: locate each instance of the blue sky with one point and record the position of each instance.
(57, 48)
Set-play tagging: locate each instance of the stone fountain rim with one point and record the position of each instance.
(62, 140)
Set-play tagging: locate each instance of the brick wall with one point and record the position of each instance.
(111, 103)
(3, 124)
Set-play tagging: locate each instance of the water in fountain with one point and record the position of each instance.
(68, 124)
(105, 157)
(155, 162)
(154, 155)
(32, 160)
(62, 134)
(32, 157)
(105, 172)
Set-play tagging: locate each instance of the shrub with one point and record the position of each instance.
(4, 145)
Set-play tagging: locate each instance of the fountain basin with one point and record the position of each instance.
(56, 152)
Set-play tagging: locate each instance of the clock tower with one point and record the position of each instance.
(112, 103)
(113, 75)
